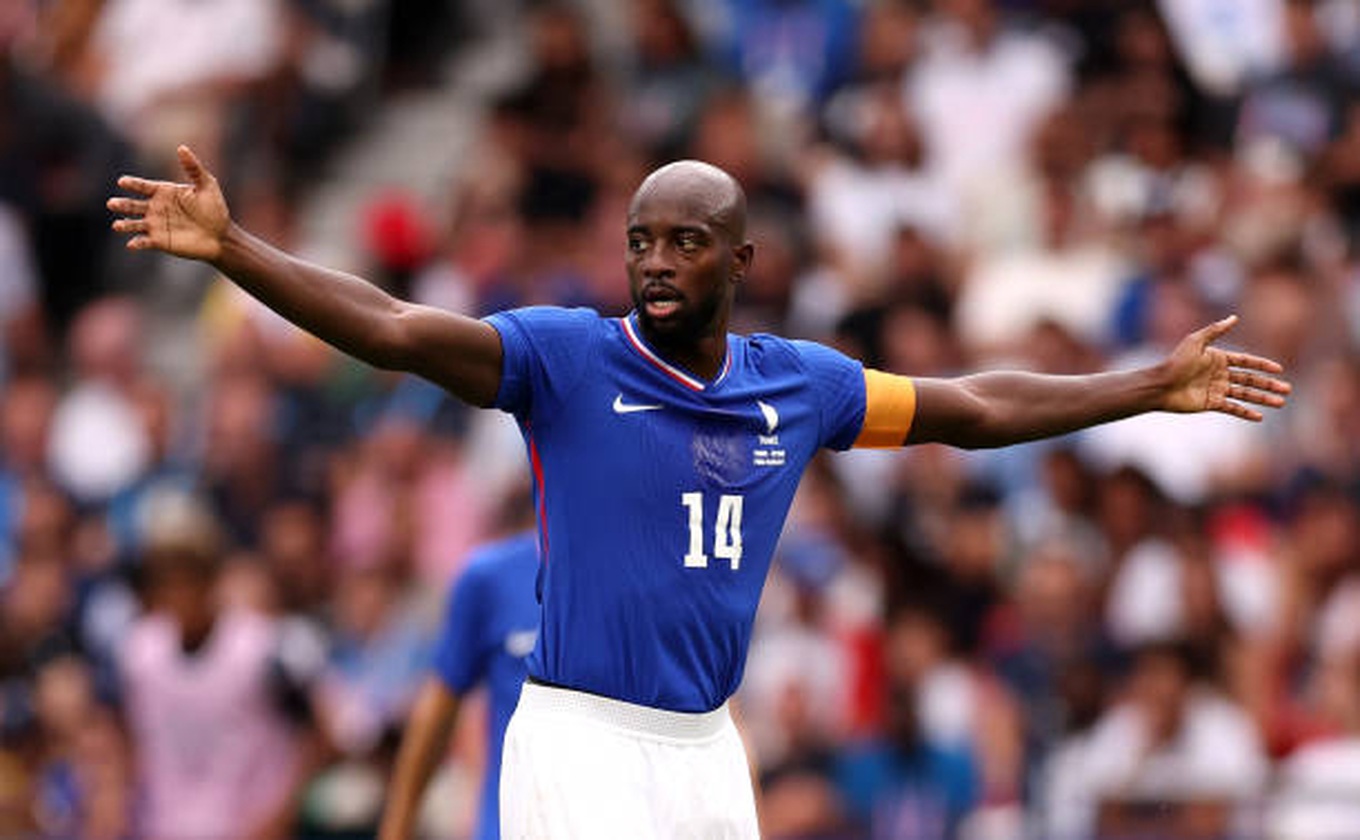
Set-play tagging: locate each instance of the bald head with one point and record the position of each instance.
(707, 190)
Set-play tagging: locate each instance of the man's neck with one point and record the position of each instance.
(703, 356)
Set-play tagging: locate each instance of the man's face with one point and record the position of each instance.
(681, 265)
(185, 593)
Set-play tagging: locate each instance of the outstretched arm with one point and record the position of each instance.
(192, 221)
(998, 409)
(432, 718)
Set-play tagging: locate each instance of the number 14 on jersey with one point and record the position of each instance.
(726, 530)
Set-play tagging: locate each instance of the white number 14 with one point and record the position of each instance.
(726, 531)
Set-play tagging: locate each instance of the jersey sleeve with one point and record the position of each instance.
(544, 351)
(837, 386)
(463, 650)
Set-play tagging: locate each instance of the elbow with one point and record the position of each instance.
(981, 425)
(975, 438)
(969, 413)
(990, 432)
(391, 345)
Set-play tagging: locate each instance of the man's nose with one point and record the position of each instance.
(657, 264)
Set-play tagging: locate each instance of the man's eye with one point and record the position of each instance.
(637, 246)
(688, 243)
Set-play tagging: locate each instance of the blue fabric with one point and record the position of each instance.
(923, 794)
(490, 626)
(645, 487)
(801, 48)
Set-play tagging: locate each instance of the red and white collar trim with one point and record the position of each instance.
(688, 380)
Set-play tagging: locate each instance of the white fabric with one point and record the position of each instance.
(791, 657)
(1226, 42)
(1182, 454)
(1318, 797)
(1336, 632)
(978, 109)
(581, 766)
(159, 47)
(99, 443)
(1005, 297)
(948, 704)
(1217, 753)
(858, 210)
(1146, 601)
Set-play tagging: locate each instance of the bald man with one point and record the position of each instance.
(665, 452)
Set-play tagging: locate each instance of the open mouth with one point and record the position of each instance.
(661, 301)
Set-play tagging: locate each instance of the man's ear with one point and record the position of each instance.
(742, 255)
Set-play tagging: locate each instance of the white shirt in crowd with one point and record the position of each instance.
(978, 108)
(196, 42)
(1217, 755)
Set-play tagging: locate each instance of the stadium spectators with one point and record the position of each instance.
(218, 704)
(949, 184)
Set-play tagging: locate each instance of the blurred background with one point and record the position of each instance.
(1148, 630)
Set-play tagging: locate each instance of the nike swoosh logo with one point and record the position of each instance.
(621, 407)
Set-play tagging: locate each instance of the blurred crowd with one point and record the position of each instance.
(217, 593)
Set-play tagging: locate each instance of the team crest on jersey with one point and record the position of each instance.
(768, 452)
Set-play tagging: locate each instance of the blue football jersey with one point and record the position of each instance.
(660, 497)
(490, 626)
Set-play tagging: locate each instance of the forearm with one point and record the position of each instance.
(421, 750)
(1001, 408)
(341, 309)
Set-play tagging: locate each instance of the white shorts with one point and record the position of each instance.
(586, 767)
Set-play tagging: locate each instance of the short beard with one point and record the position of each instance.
(691, 325)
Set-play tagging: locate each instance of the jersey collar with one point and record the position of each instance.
(689, 380)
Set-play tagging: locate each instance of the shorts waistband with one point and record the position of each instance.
(536, 697)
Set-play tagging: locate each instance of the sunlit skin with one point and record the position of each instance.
(686, 254)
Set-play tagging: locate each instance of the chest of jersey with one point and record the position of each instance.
(660, 497)
(696, 474)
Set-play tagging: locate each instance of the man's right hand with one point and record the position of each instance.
(187, 220)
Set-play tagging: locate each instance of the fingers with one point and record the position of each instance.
(1259, 382)
(193, 168)
(198, 176)
(1240, 411)
(1252, 395)
(136, 208)
(132, 226)
(135, 223)
(1247, 360)
(1246, 389)
(141, 186)
(128, 206)
(1217, 329)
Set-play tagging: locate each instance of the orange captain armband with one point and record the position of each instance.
(889, 408)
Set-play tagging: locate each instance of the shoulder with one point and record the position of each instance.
(559, 339)
(247, 633)
(1220, 719)
(501, 559)
(766, 350)
(535, 318)
(146, 637)
(816, 363)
